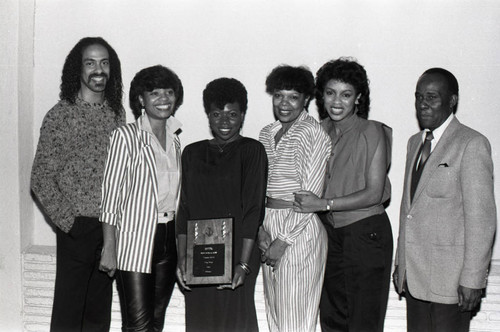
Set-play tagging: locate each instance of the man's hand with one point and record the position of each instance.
(468, 298)
(395, 276)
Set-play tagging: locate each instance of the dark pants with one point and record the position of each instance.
(424, 316)
(144, 297)
(357, 276)
(83, 294)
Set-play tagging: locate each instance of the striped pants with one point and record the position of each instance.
(292, 290)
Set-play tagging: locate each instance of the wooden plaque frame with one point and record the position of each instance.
(209, 251)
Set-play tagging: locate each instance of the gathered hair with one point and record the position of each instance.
(345, 70)
(72, 71)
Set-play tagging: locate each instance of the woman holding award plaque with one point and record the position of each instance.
(293, 244)
(224, 177)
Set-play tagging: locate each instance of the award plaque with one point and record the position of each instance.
(209, 251)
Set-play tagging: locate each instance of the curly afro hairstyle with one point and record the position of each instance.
(285, 77)
(155, 77)
(72, 71)
(345, 70)
(222, 91)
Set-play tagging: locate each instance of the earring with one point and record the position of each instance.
(143, 111)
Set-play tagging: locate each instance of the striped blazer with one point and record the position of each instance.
(130, 194)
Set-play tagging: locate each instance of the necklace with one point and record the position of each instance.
(221, 147)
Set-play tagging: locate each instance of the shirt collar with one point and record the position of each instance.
(438, 132)
(173, 125)
(277, 124)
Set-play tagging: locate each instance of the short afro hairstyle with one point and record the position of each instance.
(222, 91)
(285, 77)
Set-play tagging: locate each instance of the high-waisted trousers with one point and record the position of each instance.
(357, 276)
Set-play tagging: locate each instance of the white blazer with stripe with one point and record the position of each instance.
(130, 193)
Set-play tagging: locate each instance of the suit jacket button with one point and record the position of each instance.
(409, 216)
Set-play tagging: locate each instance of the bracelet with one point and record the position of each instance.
(329, 204)
(245, 267)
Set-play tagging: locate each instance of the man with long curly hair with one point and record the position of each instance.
(66, 179)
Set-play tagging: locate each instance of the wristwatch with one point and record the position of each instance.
(329, 204)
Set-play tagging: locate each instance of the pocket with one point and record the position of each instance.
(445, 270)
(373, 252)
(368, 248)
(76, 229)
(443, 183)
(376, 232)
(82, 226)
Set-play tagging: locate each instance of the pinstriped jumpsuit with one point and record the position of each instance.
(297, 162)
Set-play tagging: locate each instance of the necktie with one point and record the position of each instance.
(425, 151)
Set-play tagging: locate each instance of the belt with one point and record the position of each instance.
(164, 217)
(275, 203)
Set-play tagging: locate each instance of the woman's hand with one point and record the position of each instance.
(274, 253)
(238, 278)
(264, 240)
(307, 202)
(108, 261)
(180, 273)
(108, 254)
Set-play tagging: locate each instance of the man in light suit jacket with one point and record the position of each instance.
(448, 213)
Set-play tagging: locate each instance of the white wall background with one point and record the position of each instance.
(202, 40)
(10, 230)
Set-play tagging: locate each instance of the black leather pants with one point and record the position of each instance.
(144, 297)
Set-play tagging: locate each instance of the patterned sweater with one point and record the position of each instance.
(69, 163)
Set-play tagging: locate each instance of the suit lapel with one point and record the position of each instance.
(436, 156)
(177, 144)
(413, 148)
(148, 156)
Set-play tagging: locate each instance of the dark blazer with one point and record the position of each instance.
(446, 233)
